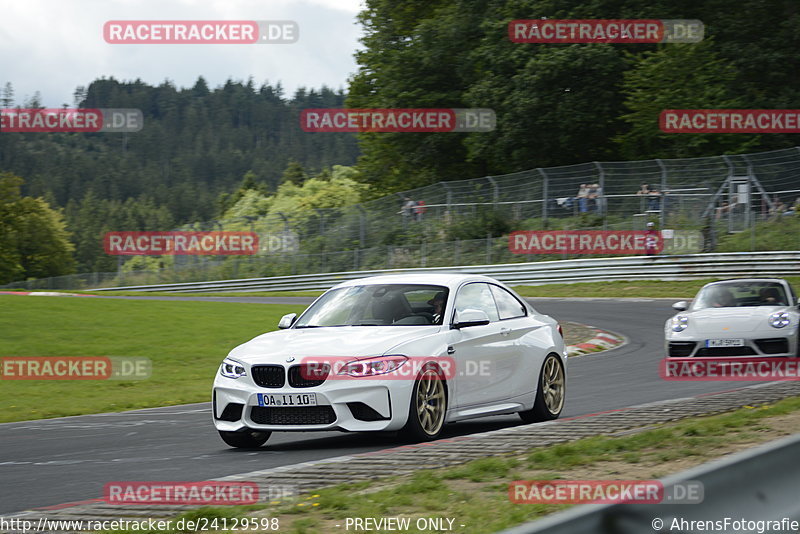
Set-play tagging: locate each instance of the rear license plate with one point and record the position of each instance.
(711, 343)
(288, 399)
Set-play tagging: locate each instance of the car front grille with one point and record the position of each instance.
(777, 345)
(304, 415)
(681, 349)
(725, 351)
(308, 375)
(268, 376)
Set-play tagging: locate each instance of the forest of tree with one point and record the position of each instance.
(556, 104)
(559, 104)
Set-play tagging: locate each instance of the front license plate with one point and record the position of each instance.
(724, 343)
(288, 399)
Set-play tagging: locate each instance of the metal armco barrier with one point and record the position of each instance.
(757, 484)
(685, 267)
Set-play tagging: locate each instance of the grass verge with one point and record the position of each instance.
(684, 289)
(467, 492)
(185, 342)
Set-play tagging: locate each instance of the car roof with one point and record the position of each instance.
(776, 280)
(451, 280)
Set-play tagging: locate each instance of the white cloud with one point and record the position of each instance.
(55, 46)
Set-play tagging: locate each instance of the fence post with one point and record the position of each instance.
(663, 207)
(458, 251)
(423, 255)
(495, 190)
(488, 248)
(362, 225)
(600, 201)
(544, 197)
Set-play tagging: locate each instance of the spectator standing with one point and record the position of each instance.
(583, 198)
(651, 239)
(407, 210)
(644, 190)
(419, 210)
(654, 199)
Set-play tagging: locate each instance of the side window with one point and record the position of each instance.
(508, 306)
(477, 296)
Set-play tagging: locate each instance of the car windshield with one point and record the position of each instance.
(377, 305)
(736, 294)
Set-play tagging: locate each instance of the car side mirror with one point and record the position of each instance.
(287, 320)
(681, 305)
(471, 318)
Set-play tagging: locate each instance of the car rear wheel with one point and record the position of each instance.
(428, 406)
(549, 394)
(249, 439)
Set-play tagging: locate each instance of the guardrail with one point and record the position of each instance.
(685, 267)
(757, 484)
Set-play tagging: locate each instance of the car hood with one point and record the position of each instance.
(355, 341)
(732, 320)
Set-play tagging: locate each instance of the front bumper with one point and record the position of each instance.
(779, 345)
(349, 404)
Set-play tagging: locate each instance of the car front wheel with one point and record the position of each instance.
(550, 393)
(249, 439)
(428, 406)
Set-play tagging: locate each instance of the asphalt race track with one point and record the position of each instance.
(55, 461)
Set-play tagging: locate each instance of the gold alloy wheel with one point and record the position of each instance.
(553, 385)
(430, 402)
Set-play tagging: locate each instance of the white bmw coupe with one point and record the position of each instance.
(745, 317)
(394, 353)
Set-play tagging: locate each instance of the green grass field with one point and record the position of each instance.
(184, 340)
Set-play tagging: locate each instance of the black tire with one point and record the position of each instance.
(249, 439)
(430, 383)
(545, 409)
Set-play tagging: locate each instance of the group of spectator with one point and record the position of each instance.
(652, 194)
(412, 210)
(590, 198)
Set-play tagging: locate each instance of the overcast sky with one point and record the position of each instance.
(53, 46)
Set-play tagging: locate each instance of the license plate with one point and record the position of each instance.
(287, 400)
(724, 343)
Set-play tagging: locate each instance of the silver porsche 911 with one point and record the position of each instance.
(743, 317)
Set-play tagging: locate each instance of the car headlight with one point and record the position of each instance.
(373, 366)
(779, 320)
(680, 323)
(232, 369)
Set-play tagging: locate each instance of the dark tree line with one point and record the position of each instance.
(196, 146)
(560, 104)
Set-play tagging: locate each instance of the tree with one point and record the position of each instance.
(34, 242)
(294, 173)
(680, 76)
(10, 262)
(7, 101)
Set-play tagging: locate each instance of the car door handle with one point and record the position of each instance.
(451, 350)
(505, 331)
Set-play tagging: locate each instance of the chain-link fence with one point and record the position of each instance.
(463, 222)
